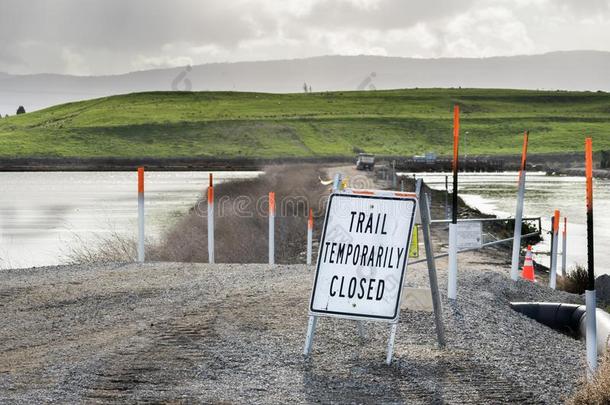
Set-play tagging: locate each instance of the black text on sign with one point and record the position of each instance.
(363, 255)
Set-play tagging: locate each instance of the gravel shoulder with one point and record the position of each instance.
(184, 333)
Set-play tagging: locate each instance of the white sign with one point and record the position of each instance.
(363, 255)
(470, 235)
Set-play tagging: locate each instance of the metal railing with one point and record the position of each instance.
(487, 244)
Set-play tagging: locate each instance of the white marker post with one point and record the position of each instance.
(271, 228)
(564, 241)
(211, 220)
(447, 209)
(590, 299)
(514, 268)
(309, 236)
(453, 237)
(141, 214)
(554, 247)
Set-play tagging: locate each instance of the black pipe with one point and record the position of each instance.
(565, 318)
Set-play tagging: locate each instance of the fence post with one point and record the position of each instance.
(140, 214)
(514, 268)
(211, 220)
(453, 255)
(564, 241)
(271, 228)
(309, 237)
(590, 299)
(554, 246)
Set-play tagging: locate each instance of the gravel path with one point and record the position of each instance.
(184, 333)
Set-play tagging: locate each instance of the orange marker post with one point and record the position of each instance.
(140, 214)
(271, 228)
(453, 237)
(211, 258)
(309, 237)
(590, 299)
(555, 240)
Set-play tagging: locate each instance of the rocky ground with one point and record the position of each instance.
(191, 333)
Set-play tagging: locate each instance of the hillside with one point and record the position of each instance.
(568, 70)
(226, 124)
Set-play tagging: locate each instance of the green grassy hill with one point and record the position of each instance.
(225, 124)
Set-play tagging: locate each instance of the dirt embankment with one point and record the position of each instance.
(8, 164)
(551, 162)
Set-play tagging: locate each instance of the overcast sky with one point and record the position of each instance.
(117, 36)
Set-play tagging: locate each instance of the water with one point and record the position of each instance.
(496, 193)
(43, 214)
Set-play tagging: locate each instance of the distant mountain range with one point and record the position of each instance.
(570, 70)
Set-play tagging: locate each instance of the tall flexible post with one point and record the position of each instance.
(140, 214)
(271, 228)
(564, 247)
(554, 247)
(337, 182)
(514, 268)
(453, 255)
(446, 197)
(211, 220)
(309, 236)
(590, 298)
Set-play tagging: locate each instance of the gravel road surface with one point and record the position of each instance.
(196, 333)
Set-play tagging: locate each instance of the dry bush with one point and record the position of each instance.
(596, 391)
(576, 280)
(110, 248)
(241, 222)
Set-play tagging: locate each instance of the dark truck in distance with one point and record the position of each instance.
(365, 161)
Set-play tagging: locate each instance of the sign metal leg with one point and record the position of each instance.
(361, 330)
(311, 331)
(391, 339)
(436, 297)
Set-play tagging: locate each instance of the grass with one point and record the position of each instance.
(575, 281)
(596, 391)
(229, 124)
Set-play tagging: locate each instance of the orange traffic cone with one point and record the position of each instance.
(528, 266)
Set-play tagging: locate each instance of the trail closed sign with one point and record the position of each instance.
(363, 255)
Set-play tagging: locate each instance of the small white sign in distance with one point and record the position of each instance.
(363, 255)
(470, 235)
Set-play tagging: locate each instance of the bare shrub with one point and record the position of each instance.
(596, 391)
(108, 248)
(575, 281)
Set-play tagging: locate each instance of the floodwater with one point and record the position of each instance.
(44, 214)
(496, 193)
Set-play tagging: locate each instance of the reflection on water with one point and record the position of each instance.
(43, 213)
(496, 193)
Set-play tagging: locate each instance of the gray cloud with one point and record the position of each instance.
(113, 36)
